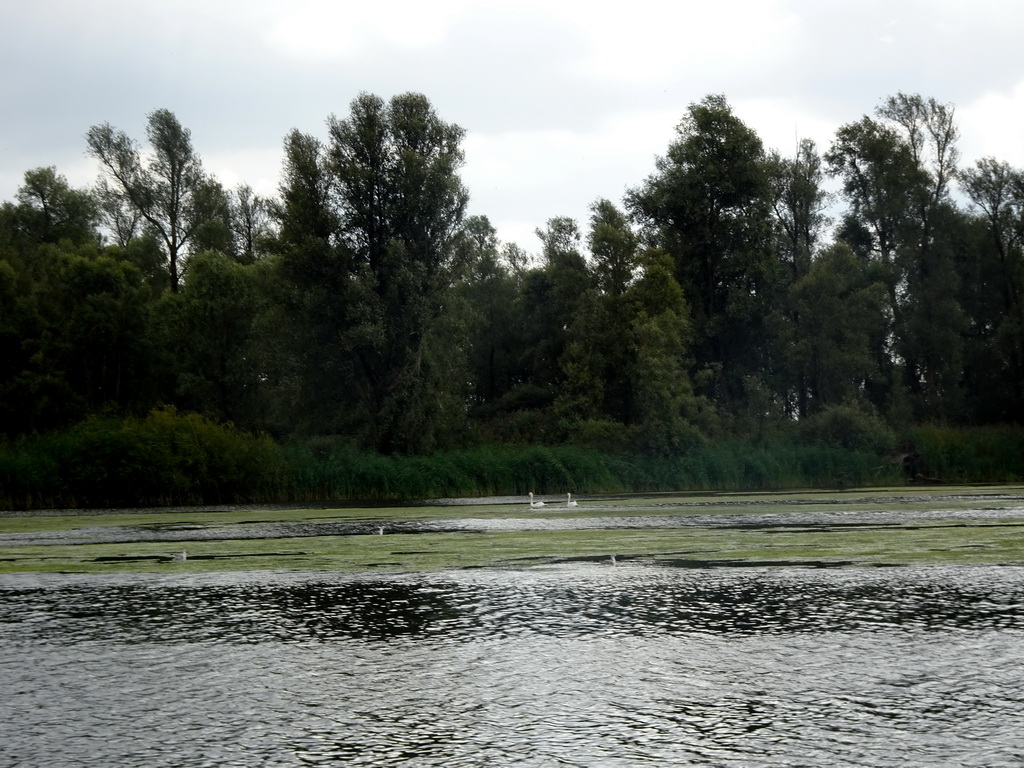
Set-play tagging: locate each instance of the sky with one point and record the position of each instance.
(563, 102)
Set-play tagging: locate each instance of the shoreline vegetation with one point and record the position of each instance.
(171, 458)
(359, 336)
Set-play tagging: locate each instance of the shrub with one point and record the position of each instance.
(852, 425)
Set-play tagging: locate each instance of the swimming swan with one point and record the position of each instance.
(535, 504)
(569, 502)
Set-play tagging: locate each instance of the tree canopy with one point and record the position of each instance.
(729, 293)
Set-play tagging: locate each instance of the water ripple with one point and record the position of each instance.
(578, 665)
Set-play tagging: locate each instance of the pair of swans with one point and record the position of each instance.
(538, 504)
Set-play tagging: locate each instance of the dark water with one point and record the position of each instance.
(583, 665)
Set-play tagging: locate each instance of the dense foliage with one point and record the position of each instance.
(730, 300)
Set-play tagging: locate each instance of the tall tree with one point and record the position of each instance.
(49, 210)
(799, 204)
(375, 216)
(214, 319)
(896, 171)
(309, 360)
(599, 375)
(879, 177)
(304, 208)
(550, 298)
(708, 206)
(613, 245)
(401, 202)
(628, 347)
(122, 221)
(997, 190)
(250, 223)
(994, 290)
(490, 289)
(839, 320)
(168, 189)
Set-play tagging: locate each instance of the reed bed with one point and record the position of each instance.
(171, 458)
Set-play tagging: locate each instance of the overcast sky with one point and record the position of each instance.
(563, 102)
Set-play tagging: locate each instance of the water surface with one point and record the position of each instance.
(569, 665)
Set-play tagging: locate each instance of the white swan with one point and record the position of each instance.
(569, 502)
(180, 557)
(535, 504)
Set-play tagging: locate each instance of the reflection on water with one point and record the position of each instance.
(589, 665)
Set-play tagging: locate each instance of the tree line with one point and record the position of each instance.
(729, 294)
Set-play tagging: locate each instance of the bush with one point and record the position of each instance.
(165, 458)
(853, 426)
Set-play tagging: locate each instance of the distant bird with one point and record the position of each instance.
(380, 530)
(611, 560)
(536, 504)
(180, 557)
(569, 502)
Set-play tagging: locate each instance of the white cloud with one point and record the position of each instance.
(783, 123)
(559, 172)
(259, 167)
(326, 29)
(650, 42)
(993, 125)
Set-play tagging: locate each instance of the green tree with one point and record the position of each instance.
(596, 364)
(168, 189)
(84, 342)
(308, 358)
(666, 411)
(994, 290)
(490, 290)
(213, 327)
(613, 245)
(49, 210)
(879, 176)
(840, 318)
(371, 222)
(896, 172)
(626, 359)
(799, 204)
(250, 223)
(20, 327)
(708, 206)
(401, 204)
(122, 221)
(304, 207)
(213, 207)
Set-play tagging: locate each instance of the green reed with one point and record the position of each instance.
(170, 458)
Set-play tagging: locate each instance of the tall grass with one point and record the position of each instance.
(737, 465)
(979, 455)
(174, 458)
(344, 473)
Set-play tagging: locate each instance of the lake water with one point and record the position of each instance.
(587, 664)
